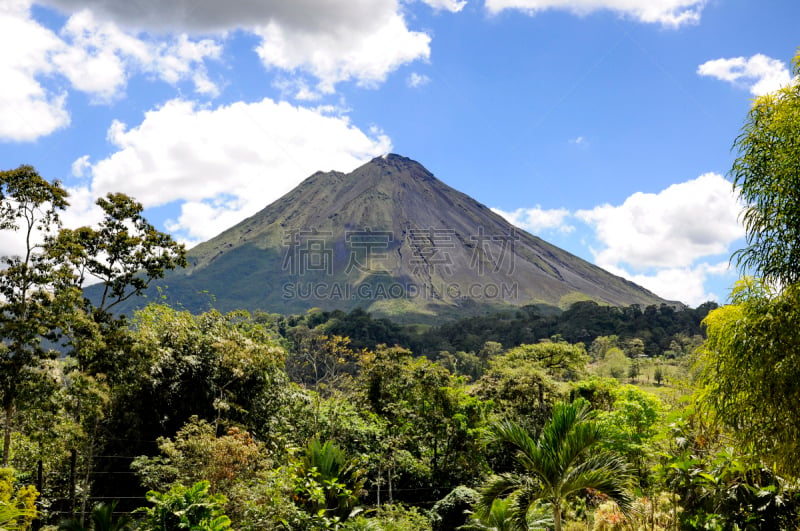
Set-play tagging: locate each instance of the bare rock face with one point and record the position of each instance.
(394, 240)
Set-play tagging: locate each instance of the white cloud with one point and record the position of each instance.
(579, 141)
(82, 210)
(684, 284)
(334, 41)
(80, 165)
(670, 13)
(417, 80)
(454, 6)
(366, 55)
(223, 164)
(673, 228)
(29, 110)
(331, 42)
(98, 56)
(537, 219)
(674, 243)
(93, 57)
(185, 59)
(759, 73)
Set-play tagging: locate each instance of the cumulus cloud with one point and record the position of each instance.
(684, 284)
(80, 166)
(98, 56)
(28, 108)
(104, 43)
(673, 228)
(334, 41)
(91, 56)
(673, 243)
(759, 73)
(223, 164)
(537, 219)
(341, 54)
(670, 13)
(664, 241)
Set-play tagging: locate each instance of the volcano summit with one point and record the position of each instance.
(390, 238)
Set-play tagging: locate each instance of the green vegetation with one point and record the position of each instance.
(594, 417)
(558, 462)
(767, 176)
(235, 421)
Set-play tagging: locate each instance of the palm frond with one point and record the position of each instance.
(496, 487)
(605, 472)
(561, 460)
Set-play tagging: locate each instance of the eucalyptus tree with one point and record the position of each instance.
(561, 460)
(121, 256)
(43, 306)
(29, 206)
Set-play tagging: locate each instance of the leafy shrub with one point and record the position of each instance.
(185, 508)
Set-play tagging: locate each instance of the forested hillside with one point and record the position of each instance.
(659, 328)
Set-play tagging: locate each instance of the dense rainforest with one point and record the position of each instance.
(592, 418)
(291, 426)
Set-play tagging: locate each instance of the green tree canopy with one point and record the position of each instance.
(767, 177)
(562, 460)
(30, 206)
(751, 369)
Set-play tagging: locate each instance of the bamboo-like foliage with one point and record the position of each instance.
(751, 370)
(766, 175)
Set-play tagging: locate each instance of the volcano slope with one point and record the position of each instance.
(392, 239)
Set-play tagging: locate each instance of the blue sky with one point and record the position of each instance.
(602, 126)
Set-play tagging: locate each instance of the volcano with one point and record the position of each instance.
(394, 240)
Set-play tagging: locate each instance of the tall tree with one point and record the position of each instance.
(434, 426)
(124, 252)
(767, 177)
(562, 460)
(29, 205)
(751, 356)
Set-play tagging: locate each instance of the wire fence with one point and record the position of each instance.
(64, 505)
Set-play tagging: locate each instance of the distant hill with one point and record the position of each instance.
(392, 239)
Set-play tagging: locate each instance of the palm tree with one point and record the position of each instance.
(500, 518)
(562, 459)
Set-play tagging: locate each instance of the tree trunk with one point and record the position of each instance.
(379, 484)
(73, 462)
(557, 516)
(86, 487)
(36, 525)
(391, 499)
(9, 412)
